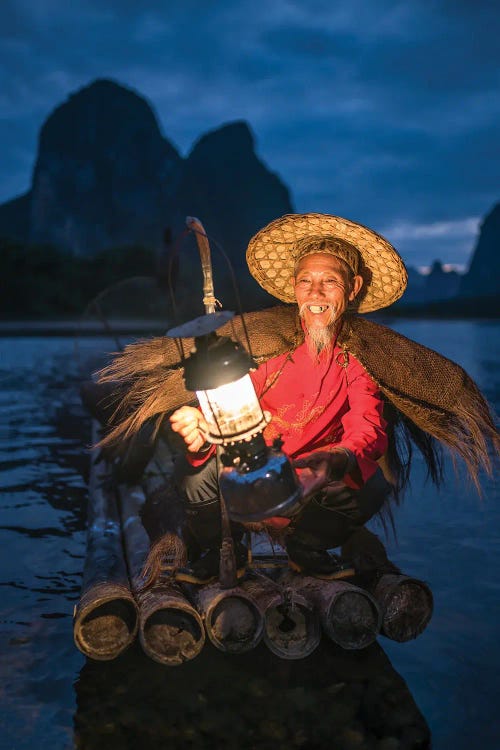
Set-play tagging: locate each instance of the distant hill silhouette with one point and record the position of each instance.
(475, 293)
(105, 175)
(435, 286)
(106, 178)
(483, 276)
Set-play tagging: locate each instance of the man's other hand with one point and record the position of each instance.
(191, 426)
(321, 468)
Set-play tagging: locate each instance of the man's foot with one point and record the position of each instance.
(205, 568)
(368, 556)
(317, 562)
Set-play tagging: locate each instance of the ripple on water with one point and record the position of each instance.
(449, 539)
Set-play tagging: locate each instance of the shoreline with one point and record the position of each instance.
(12, 328)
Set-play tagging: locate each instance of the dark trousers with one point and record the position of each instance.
(199, 488)
(327, 521)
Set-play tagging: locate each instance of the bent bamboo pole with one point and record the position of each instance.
(291, 625)
(105, 619)
(233, 621)
(196, 226)
(170, 629)
(349, 615)
(407, 605)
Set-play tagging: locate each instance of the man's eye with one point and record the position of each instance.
(304, 281)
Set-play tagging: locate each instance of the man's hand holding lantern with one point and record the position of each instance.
(191, 426)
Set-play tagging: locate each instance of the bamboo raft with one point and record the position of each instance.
(288, 612)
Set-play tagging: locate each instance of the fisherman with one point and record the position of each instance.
(323, 405)
(344, 395)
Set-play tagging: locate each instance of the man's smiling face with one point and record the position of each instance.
(323, 288)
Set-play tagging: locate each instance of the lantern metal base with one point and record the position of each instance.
(266, 487)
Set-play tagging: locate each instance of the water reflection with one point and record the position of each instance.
(334, 698)
(43, 494)
(449, 540)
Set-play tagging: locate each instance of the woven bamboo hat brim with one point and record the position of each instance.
(272, 254)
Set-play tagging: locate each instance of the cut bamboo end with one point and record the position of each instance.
(233, 621)
(234, 625)
(291, 626)
(351, 618)
(349, 615)
(106, 621)
(171, 631)
(407, 605)
(291, 631)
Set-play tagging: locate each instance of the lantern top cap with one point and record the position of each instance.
(216, 361)
(201, 326)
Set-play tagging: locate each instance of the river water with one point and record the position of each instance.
(52, 698)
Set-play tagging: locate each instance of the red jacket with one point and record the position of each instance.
(318, 405)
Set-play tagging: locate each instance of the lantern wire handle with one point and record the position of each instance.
(227, 560)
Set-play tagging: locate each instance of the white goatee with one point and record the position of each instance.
(320, 338)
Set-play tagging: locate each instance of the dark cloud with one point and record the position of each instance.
(384, 111)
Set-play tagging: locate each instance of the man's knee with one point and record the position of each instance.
(372, 496)
(332, 516)
(197, 484)
(328, 519)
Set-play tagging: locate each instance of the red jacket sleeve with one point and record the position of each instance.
(198, 459)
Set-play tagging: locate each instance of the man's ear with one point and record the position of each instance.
(356, 285)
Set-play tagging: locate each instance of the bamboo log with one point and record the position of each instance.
(406, 604)
(233, 621)
(349, 615)
(105, 618)
(170, 629)
(291, 625)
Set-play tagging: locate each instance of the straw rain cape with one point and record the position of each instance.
(430, 400)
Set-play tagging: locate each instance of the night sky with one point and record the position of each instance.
(383, 112)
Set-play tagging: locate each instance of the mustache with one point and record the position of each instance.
(332, 309)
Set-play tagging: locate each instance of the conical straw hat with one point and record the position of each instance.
(273, 252)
